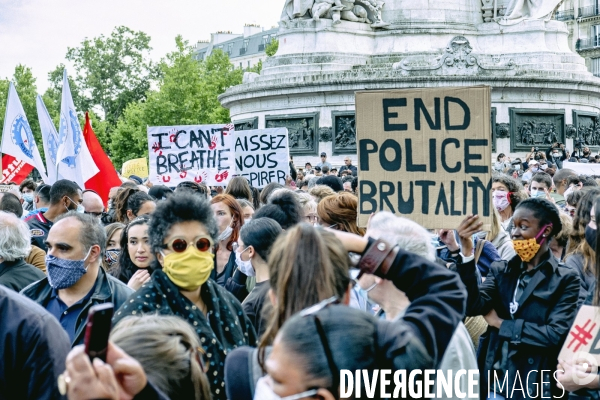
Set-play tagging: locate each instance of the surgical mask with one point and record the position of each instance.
(517, 166)
(265, 392)
(534, 169)
(246, 220)
(526, 249)
(63, 273)
(80, 208)
(543, 167)
(590, 237)
(28, 197)
(537, 193)
(501, 200)
(189, 269)
(111, 257)
(226, 234)
(245, 267)
(364, 293)
(556, 154)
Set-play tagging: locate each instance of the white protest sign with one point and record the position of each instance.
(199, 153)
(262, 156)
(583, 168)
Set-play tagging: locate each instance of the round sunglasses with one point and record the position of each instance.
(179, 245)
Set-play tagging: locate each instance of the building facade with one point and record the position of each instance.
(245, 50)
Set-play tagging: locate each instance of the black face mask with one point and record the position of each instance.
(590, 237)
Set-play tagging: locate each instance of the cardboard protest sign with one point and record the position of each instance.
(583, 340)
(425, 154)
(583, 168)
(262, 156)
(138, 166)
(199, 153)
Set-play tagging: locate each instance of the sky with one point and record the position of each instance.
(37, 33)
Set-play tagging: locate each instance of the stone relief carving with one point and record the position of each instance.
(456, 60)
(510, 12)
(301, 132)
(246, 124)
(325, 134)
(571, 131)
(589, 131)
(535, 127)
(345, 134)
(502, 130)
(364, 11)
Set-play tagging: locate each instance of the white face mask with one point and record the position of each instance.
(245, 267)
(537, 193)
(264, 392)
(226, 234)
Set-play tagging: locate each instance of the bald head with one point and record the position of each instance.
(92, 203)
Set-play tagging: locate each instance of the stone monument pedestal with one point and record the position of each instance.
(541, 90)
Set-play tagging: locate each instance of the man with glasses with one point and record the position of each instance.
(65, 196)
(92, 203)
(348, 167)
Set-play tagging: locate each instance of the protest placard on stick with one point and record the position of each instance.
(425, 154)
(199, 153)
(583, 341)
(262, 156)
(138, 166)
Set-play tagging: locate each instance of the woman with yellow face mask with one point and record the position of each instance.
(529, 303)
(182, 237)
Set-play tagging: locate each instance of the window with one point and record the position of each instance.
(596, 66)
(246, 42)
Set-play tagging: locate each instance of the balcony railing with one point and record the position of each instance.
(588, 11)
(565, 15)
(584, 44)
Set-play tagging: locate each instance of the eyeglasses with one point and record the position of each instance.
(311, 311)
(179, 245)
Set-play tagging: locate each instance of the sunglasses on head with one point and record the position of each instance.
(179, 245)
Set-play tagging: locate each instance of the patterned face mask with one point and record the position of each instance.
(526, 249)
(111, 257)
(63, 273)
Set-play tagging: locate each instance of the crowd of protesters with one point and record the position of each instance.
(239, 293)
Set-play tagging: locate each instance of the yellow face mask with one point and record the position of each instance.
(189, 269)
(526, 249)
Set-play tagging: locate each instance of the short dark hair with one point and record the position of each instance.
(260, 233)
(542, 177)
(332, 181)
(325, 169)
(43, 192)
(11, 203)
(181, 207)
(27, 183)
(62, 188)
(544, 211)
(194, 188)
(91, 232)
(283, 208)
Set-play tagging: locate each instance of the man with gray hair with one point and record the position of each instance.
(76, 280)
(15, 245)
(410, 236)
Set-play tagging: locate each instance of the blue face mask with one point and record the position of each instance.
(63, 273)
(28, 197)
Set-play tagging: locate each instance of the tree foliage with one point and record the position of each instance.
(187, 94)
(272, 48)
(112, 71)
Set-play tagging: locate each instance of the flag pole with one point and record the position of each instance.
(5, 116)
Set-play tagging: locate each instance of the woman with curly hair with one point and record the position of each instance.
(182, 232)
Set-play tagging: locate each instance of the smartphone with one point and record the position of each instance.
(97, 330)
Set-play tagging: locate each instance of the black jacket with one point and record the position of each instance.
(350, 168)
(107, 289)
(18, 274)
(33, 352)
(547, 309)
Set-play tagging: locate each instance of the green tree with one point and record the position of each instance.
(272, 48)
(113, 71)
(187, 94)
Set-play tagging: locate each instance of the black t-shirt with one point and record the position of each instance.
(253, 306)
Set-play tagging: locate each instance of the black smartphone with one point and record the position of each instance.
(97, 330)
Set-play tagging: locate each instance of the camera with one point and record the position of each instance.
(536, 149)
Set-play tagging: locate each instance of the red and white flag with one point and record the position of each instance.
(20, 151)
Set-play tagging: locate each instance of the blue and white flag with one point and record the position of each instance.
(49, 138)
(17, 137)
(76, 162)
